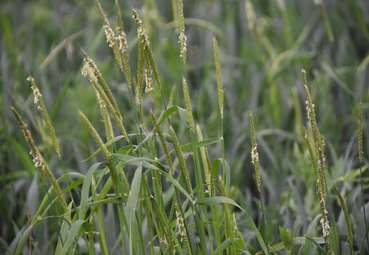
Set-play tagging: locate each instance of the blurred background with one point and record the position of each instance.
(264, 45)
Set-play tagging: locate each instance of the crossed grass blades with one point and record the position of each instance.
(168, 196)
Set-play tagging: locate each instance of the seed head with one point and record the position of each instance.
(324, 222)
(360, 139)
(36, 159)
(36, 93)
(142, 36)
(148, 81)
(254, 152)
(102, 103)
(180, 225)
(122, 41)
(254, 155)
(89, 70)
(182, 40)
(318, 155)
(110, 36)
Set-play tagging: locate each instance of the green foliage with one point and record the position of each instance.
(160, 158)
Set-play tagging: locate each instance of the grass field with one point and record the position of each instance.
(194, 127)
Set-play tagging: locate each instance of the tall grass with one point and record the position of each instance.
(160, 184)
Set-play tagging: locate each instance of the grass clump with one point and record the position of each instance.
(167, 173)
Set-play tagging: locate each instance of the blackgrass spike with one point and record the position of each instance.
(38, 159)
(319, 163)
(38, 100)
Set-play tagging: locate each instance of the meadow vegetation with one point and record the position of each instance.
(184, 127)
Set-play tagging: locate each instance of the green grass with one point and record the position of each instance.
(189, 131)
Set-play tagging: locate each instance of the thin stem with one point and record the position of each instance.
(364, 209)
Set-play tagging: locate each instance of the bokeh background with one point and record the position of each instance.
(264, 45)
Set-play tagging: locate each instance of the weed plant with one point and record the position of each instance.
(160, 182)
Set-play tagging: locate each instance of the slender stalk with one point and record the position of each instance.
(38, 159)
(256, 163)
(117, 184)
(38, 100)
(360, 143)
(93, 74)
(101, 228)
(179, 212)
(319, 164)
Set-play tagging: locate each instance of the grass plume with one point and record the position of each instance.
(360, 148)
(254, 153)
(180, 29)
(37, 158)
(38, 100)
(92, 73)
(319, 163)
